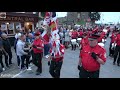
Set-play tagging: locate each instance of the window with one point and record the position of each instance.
(11, 29)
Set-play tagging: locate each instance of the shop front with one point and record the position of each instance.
(17, 21)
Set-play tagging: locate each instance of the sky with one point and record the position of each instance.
(106, 17)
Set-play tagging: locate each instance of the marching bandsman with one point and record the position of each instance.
(38, 46)
(117, 49)
(74, 36)
(91, 56)
(56, 59)
(111, 49)
(80, 33)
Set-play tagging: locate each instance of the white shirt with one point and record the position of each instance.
(20, 48)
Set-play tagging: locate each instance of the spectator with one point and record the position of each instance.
(7, 47)
(20, 51)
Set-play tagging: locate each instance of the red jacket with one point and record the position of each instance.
(113, 38)
(87, 60)
(38, 43)
(74, 34)
(80, 33)
(117, 39)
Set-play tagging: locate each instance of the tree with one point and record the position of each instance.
(94, 16)
(43, 14)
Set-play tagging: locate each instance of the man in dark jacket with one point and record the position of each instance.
(7, 47)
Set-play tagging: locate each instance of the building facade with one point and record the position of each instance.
(13, 21)
(18, 20)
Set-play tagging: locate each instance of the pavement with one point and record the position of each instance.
(69, 67)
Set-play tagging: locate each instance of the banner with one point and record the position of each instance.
(3, 26)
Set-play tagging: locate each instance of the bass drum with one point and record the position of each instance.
(73, 41)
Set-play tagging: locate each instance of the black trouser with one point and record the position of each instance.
(66, 44)
(1, 62)
(85, 74)
(117, 52)
(20, 60)
(32, 54)
(55, 68)
(6, 59)
(37, 61)
(27, 58)
(10, 56)
(111, 51)
(74, 47)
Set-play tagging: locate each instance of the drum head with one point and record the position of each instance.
(73, 40)
(79, 39)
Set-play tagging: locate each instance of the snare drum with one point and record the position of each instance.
(73, 41)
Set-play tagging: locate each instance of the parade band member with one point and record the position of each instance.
(7, 47)
(111, 49)
(91, 56)
(74, 36)
(38, 47)
(117, 49)
(56, 59)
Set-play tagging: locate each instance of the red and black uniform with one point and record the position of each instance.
(74, 35)
(117, 49)
(38, 53)
(90, 67)
(56, 62)
(111, 50)
(80, 33)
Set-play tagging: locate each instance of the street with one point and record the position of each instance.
(69, 68)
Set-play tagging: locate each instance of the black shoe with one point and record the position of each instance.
(8, 66)
(113, 63)
(38, 73)
(10, 63)
(118, 64)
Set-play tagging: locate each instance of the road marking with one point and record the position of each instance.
(21, 72)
